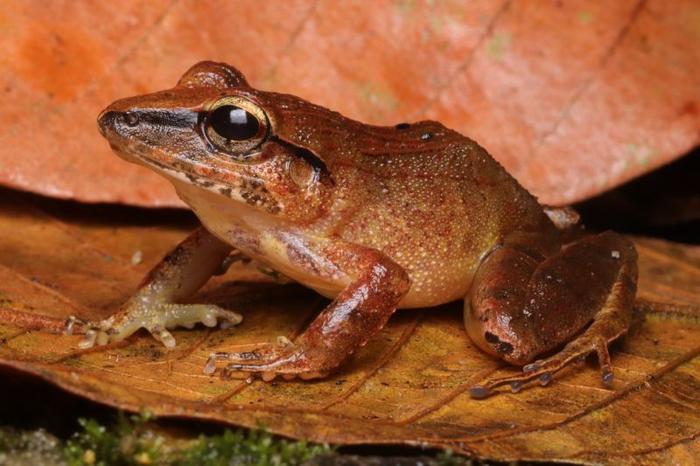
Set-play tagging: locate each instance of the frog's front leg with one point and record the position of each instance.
(358, 312)
(523, 305)
(155, 306)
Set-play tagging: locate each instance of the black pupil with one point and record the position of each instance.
(233, 122)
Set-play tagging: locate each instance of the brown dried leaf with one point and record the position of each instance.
(572, 97)
(407, 386)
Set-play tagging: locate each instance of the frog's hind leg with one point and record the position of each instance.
(521, 307)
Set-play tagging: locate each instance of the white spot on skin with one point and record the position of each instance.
(615, 254)
(137, 257)
(284, 341)
(504, 324)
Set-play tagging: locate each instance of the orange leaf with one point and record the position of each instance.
(572, 97)
(407, 386)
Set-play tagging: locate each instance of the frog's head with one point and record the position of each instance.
(214, 132)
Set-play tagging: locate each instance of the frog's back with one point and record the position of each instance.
(432, 200)
(428, 197)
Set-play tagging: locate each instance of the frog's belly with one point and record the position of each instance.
(303, 266)
(435, 278)
(429, 286)
(263, 239)
(282, 252)
(290, 255)
(433, 287)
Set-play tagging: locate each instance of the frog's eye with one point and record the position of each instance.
(235, 126)
(235, 123)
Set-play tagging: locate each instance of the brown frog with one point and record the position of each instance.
(374, 218)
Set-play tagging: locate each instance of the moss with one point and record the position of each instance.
(20, 448)
(128, 442)
(131, 441)
(136, 440)
(446, 458)
(249, 448)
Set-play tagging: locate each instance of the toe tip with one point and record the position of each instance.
(607, 378)
(478, 392)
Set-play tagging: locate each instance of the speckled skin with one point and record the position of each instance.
(376, 218)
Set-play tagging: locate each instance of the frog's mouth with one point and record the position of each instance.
(128, 155)
(129, 148)
(238, 185)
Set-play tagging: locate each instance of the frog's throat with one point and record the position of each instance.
(239, 188)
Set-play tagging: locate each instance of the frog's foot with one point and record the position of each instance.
(157, 318)
(543, 370)
(284, 359)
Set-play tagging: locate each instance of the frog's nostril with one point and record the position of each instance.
(131, 118)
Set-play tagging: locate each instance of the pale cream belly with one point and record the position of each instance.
(258, 237)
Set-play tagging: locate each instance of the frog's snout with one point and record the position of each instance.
(109, 119)
(105, 120)
(120, 129)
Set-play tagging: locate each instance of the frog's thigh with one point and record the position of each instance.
(520, 307)
(154, 307)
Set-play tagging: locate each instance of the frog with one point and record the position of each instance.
(373, 218)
